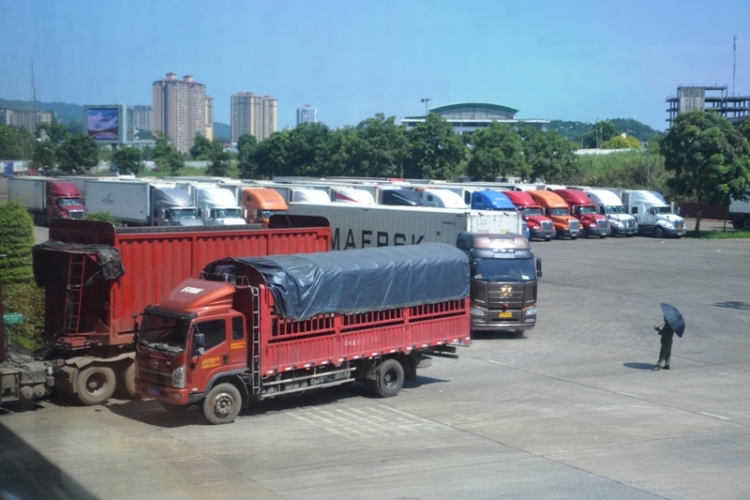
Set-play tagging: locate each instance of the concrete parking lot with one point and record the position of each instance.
(571, 409)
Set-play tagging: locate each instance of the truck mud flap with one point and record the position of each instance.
(443, 351)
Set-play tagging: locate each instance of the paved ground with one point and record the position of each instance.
(569, 410)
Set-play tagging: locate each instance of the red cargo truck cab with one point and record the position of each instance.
(97, 278)
(540, 226)
(245, 334)
(592, 224)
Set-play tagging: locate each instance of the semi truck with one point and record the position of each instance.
(216, 205)
(97, 277)
(540, 226)
(556, 209)
(261, 203)
(357, 226)
(592, 223)
(504, 281)
(654, 217)
(257, 328)
(142, 203)
(739, 213)
(46, 198)
(609, 205)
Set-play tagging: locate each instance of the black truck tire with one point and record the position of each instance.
(222, 404)
(658, 232)
(746, 223)
(95, 385)
(389, 378)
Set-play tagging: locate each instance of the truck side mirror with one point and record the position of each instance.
(164, 214)
(539, 267)
(199, 342)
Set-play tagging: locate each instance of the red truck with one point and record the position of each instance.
(46, 198)
(97, 278)
(540, 226)
(592, 223)
(252, 329)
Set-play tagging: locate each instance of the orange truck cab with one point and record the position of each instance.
(540, 226)
(556, 209)
(592, 224)
(261, 203)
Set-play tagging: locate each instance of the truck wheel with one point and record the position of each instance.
(173, 408)
(737, 223)
(95, 385)
(658, 232)
(746, 223)
(222, 404)
(389, 378)
(128, 381)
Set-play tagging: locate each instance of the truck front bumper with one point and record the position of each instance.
(541, 234)
(626, 231)
(499, 320)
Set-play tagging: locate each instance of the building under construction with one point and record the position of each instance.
(716, 98)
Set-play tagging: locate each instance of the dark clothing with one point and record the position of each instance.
(665, 354)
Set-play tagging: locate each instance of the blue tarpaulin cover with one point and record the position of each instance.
(354, 281)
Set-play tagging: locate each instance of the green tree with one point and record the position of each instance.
(497, 151)
(246, 146)
(709, 157)
(78, 154)
(16, 240)
(46, 151)
(53, 132)
(379, 149)
(104, 217)
(341, 151)
(220, 160)
(166, 155)
(600, 132)
(75, 127)
(527, 131)
(551, 158)
(204, 149)
(434, 150)
(128, 160)
(10, 145)
(620, 142)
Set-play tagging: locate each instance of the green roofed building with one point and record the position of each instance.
(469, 116)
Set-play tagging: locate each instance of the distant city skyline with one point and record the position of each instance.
(572, 61)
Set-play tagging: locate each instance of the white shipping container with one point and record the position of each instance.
(125, 201)
(30, 191)
(356, 226)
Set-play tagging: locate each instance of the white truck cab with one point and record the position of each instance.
(608, 204)
(654, 217)
(218, 206)
(442, 198)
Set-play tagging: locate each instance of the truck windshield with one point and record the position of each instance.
(615, 209)
(266, 214)
(588, 209)
(183, 213)
(532, 211)
(559, 211)
(503, 269)
(164, 333)
(66, 202)
(227, 213)
(666, 209)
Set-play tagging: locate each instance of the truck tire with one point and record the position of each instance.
(746, 223)
(222, 404)
(95, 385)
(389, 378)
(128, 382)
(658, 232)
(737, 223)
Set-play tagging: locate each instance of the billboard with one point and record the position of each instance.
(109, 123)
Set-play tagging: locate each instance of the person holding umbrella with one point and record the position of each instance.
(673, 323)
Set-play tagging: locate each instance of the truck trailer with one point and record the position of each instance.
(739, 212)
(142, 203)
(256, 328)
(46, 198)
(97, 277)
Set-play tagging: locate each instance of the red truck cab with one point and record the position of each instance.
(540, 226)
(63, 201)
(592, 223)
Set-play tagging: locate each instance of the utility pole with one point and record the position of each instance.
(426, 102)
(33, 97)
(734, 65)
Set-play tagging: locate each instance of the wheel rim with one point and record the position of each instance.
(390, 378)
(96, 384)
(223, 405)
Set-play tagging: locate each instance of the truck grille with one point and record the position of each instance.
(678, 225)
(76, 214)
(602, 224)
(511, 294)
(575, 225)
(163, 379)
(630, 223)
(547, 225)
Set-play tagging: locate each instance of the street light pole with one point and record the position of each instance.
(426, 102)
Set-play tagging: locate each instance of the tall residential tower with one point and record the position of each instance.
(306, 114)
(180, 110)
(254, 115)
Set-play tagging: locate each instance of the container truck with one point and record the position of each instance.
(46, 198)
(216, 205)
(357, 226)
(261, 203)
(739, 212)
(556, 209)
(142, 203)
(540, 226)
(609, 205)
(256, 328)
(654, 217)
(504, 281)
(592, 223)
(97, 277)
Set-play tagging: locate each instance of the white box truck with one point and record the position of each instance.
(364, 226)
(653, 215)
(142, 203)
(739, 213)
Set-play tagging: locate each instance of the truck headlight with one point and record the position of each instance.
(531, 311)
(178, 377)
(591, 224)
(668, 225)
(477, 311)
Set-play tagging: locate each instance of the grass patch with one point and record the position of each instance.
(718, 234)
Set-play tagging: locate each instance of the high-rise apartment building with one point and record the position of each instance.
(209, 118)
(306, 114)
(179, 110)
(142, 116)
(254, 115)
(27, 119)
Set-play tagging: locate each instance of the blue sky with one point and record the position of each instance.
(351, 59)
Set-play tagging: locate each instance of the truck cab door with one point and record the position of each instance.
(213, 357)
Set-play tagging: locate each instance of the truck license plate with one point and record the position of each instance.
(506, 314)
(153, 392)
